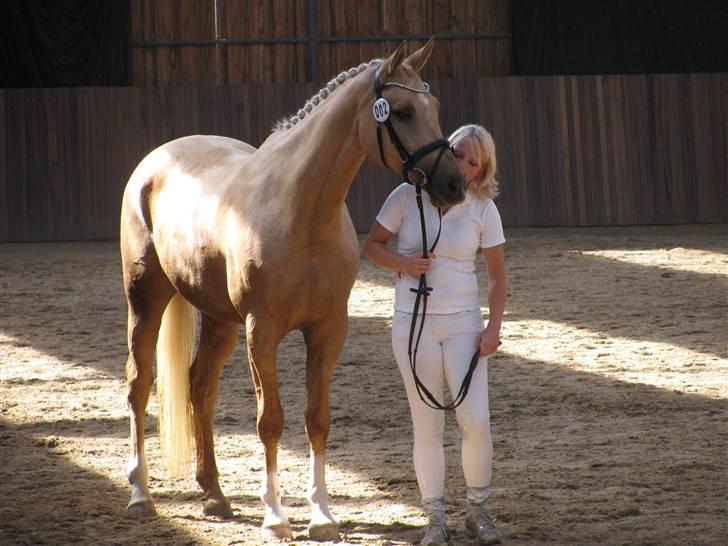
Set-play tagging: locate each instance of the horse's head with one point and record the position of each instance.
(399, 127)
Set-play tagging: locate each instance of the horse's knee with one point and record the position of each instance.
(318, 425)
(270, 424)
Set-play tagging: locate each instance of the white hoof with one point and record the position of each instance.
(276, 525)
(324, 531)
(141, 509)
(282, 531)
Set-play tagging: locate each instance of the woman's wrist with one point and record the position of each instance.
(386, 257)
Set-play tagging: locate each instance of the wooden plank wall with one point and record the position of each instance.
(572, 151)
(609, 150)
(286, 61)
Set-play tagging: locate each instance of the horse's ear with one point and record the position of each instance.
(395, 59)
(420, 57)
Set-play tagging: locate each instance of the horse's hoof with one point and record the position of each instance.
(217, 508)
(279, 532)
(141, 509)
(324, 532)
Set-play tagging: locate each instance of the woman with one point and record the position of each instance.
(453, 328)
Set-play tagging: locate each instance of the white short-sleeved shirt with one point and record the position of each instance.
(467, 227)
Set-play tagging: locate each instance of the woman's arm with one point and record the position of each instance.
(489, 339)
(376, 249)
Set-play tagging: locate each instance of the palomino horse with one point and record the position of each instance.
(261, 237)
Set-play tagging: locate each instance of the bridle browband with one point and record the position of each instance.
(409, 171)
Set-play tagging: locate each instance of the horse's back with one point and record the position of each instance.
(191, 155)
(196, 151)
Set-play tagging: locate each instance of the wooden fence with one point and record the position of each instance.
(240, 42)
(572, 151)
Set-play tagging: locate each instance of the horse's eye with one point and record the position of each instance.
(403, 114)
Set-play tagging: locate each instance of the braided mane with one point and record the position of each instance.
(286, 123)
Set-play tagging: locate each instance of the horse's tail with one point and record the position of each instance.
(174, 356)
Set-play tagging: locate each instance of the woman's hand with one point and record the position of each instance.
(488, 341)
(417, 265)
(377, 250)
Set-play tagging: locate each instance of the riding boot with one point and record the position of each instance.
(436, 532)
(479, 522)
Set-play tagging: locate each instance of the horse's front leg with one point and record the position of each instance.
(262, 345)
(324, 342)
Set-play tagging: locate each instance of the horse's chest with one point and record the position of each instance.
(301, 289)
(313, 281)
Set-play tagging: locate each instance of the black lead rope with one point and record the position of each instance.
(416, 176)
(422, 293)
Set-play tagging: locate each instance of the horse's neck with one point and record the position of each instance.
(320, 158)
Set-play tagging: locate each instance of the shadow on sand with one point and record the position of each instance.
(579, 458)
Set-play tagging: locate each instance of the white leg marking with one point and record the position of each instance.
(323, 526)
(275, 522)
(136, 472)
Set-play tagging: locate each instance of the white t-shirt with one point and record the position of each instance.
(466, 228)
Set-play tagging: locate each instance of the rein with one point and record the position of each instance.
(416, 176)
(422, 293)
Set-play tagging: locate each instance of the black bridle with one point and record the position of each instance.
(410, 172)
(414, 175)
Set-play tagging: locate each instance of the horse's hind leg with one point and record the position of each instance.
(147, 298)
(217, 342)
(324, 342)
(262, 345)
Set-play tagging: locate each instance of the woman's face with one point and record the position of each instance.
(467, 157)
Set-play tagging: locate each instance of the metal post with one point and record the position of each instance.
(218, 47)
(312, 42)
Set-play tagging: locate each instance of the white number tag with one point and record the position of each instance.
(381, 110)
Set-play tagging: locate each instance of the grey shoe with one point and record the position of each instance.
(436, 534)
(480, 525)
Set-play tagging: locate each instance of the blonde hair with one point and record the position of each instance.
(484, 183)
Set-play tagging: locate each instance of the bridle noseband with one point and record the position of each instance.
(381, 110)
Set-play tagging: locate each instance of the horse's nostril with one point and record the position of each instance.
(455, 185)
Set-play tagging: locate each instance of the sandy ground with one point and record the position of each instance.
(609, 404)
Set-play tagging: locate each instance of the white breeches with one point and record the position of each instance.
(446, 347)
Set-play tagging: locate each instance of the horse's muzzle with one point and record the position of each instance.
(449, 191)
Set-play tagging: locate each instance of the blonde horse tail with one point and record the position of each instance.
(174, 357)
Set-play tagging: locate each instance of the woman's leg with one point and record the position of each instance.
(473, 414)
(474, 419)
(427, 423)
